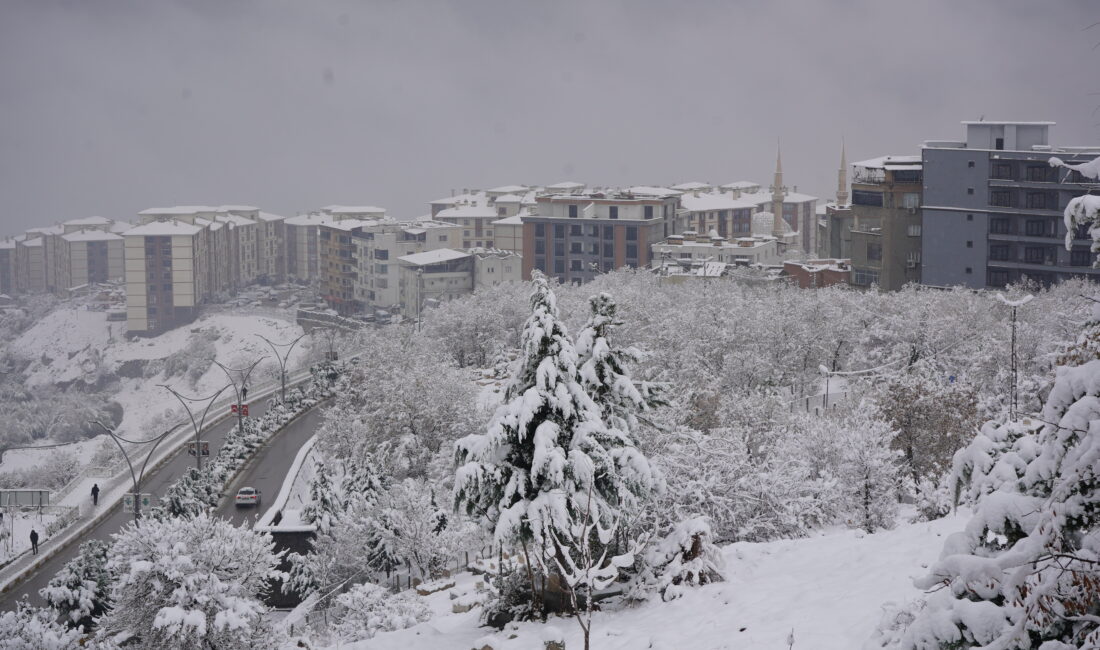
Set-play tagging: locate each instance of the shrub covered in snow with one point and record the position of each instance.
(190, 583)
(686, 557)
(78, 593)
(367, 609)
(31, 628)
(1026, 571)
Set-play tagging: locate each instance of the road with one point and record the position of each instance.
(269, 467)
(266, 472)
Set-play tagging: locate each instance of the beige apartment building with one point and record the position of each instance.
(166, 274)
(302, 244)
(429, 278)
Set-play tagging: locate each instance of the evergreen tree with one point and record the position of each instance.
(548, 459)
(324, 503)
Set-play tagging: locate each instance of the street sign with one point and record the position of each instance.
(131, 501)
(244, 410)
(233, 409)
(204, 446)
(25, 498)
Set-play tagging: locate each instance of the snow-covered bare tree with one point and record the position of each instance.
(33, 628)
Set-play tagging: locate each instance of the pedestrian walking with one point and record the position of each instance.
(95, 494)
(34, 541)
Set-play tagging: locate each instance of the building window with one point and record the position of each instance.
(613, 212)
(631, 233)
(863, 197)
(574, 265)
(608, 250)
(970, 163)
(913, 258)
(970, 190)
(914, 230)
(540, 230)
(573, 212)
(969, 270)
(998, 278)
(1036, 201)
(1034, 254)
(999, 144)
(443, 238)
(911, 200)
(1002, 171)
(593, 231)
(864, 277)
(969, 244)
(648, 211)
(1080, 258)
(540, 246)
(501, 212)
(381, 254)
(1035, 228)
(559, 249)
(999, 252)
(608, 232)
(575, 247)
(559, 232)
(969, 217)
(1000, 198)
(632, 251)
(575, 230)
(1037, 174)
(999, 226)
(874, 251)
(559, 266)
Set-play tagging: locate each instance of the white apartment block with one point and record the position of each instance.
(697, 247)
(302, 244)
(428, 278)
(379, 247)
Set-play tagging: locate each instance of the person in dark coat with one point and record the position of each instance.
(95, 494)
(34, 541)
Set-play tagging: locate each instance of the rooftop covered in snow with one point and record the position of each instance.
(437, 256)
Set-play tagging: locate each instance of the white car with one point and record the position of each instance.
(247, 496)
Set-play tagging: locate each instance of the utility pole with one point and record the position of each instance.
(197, 425)
(240, 390)
(419, 281)
(282, 358)
(1014, 304)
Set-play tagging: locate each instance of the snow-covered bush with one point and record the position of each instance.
(78, 593)
(190, 583)
(1026, 570)
(367, 609)
(193, 360)
(686, 557)
(31, 628)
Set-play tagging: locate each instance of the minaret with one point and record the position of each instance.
(778, 191)
(842, 179)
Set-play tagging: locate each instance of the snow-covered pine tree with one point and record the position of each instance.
(324, 503)
(529, 474)
(604, 371)
(1025, 573)
(78, 593)
(869, 473)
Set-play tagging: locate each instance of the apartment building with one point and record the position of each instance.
(7, 266)
(271, 250)
(431, 277)
(885, 229)
(726, 212)
(166, 274)
(572, 237)
(339, 263)
(818, 273)
(379, 247)
(30, 264)
(508, 234)
(698, 247)
(90, 255)
(992, 207)
(303, 248)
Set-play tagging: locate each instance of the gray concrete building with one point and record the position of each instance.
(992, 207)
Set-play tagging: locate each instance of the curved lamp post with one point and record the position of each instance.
(282, 357)
(241, 389)
(135, 476)
(199, 424)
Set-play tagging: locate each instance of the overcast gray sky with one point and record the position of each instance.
(109, 107)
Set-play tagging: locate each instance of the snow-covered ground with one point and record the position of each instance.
(828, 590)
(70, 340)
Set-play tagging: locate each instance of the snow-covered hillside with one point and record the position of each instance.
(828, 589)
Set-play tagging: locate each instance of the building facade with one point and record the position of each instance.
(992, 208)
(886, 222)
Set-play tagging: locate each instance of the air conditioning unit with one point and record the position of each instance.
(912, 210)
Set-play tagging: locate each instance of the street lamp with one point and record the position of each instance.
(197, 425)
(135, 476)
(242, 390)
(419, 281)
(282, 357)
(1014, 304)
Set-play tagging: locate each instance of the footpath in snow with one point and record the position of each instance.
(828, 589)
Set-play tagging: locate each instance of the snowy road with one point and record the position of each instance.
(270, 466)
(267, 470)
